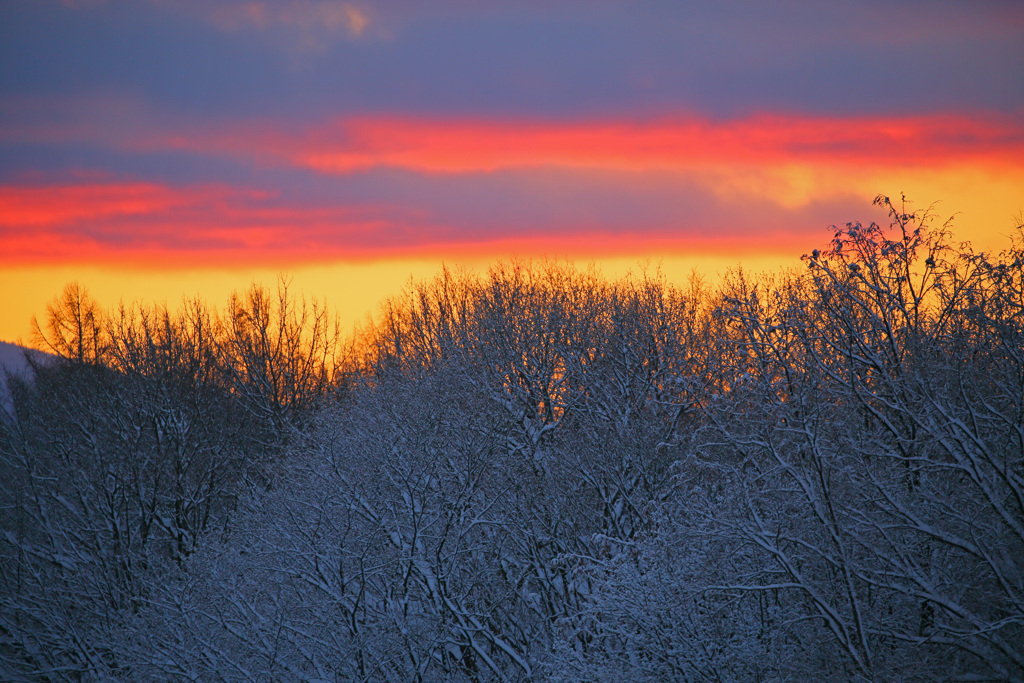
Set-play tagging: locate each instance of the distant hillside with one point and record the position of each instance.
(13, 360)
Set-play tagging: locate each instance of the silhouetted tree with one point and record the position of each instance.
(74, 327)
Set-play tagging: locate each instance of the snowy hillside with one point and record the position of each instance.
(13, 361)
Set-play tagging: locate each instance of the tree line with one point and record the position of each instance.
(534, 474)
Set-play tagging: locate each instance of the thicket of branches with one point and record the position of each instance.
(536, 474)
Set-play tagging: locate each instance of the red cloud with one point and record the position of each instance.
(458, 145)
(146, 223)
(37, 207)
(468, 145)
(569, 210)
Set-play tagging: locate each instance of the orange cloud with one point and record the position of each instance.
(326, 15)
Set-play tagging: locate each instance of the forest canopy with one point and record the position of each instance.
(533, 474)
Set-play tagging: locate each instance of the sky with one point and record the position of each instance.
(155, 149)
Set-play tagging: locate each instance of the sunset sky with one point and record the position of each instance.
(151, 149)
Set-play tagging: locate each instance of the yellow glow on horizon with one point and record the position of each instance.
(985, 204)
(354, 291)
(351, 290)
(987, 201)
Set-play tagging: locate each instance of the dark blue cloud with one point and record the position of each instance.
(528, 59)
(161, 93)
